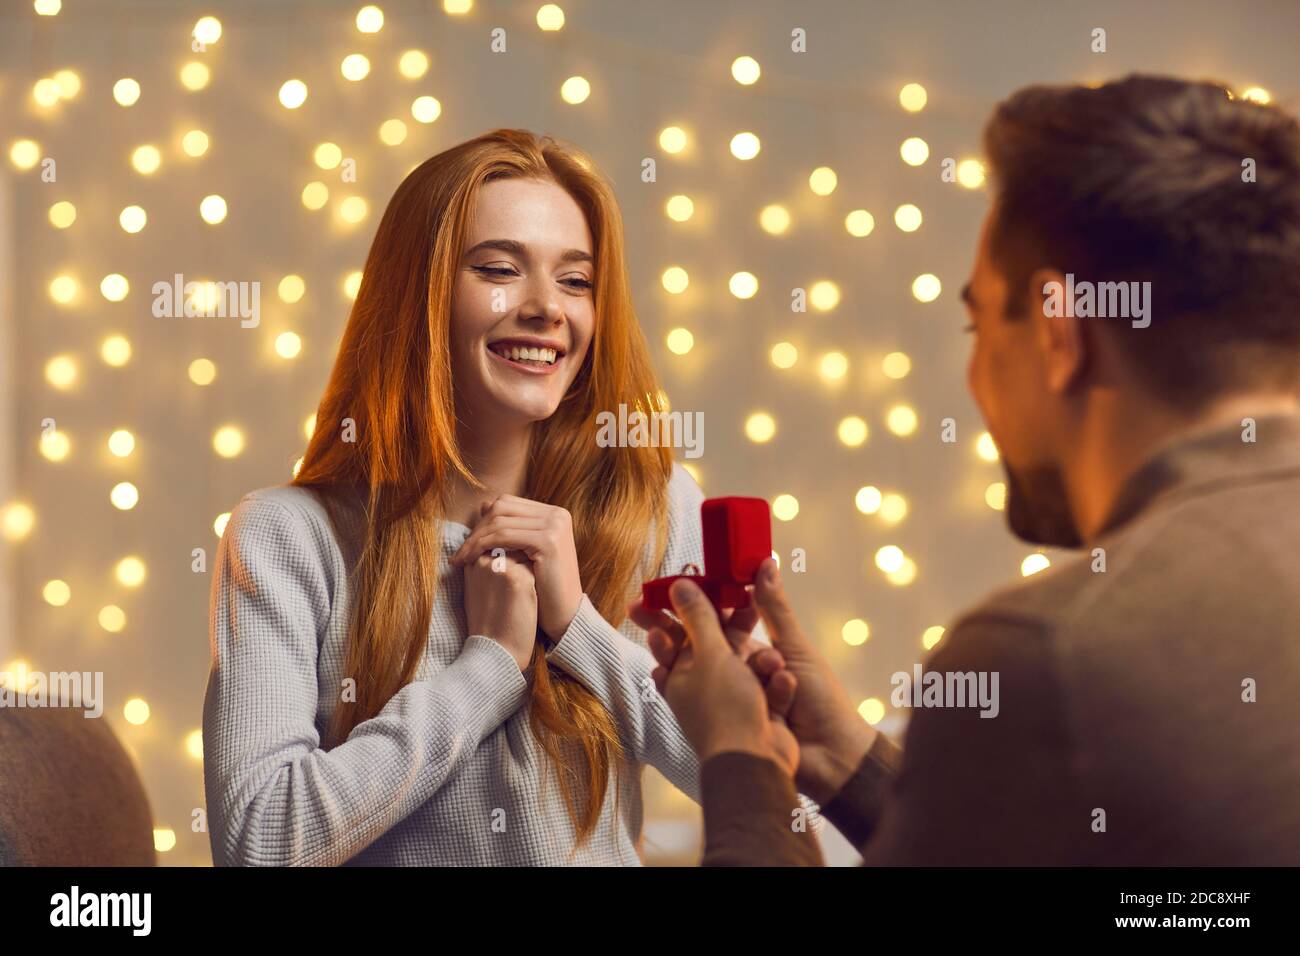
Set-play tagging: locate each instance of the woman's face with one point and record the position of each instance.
(521, 311)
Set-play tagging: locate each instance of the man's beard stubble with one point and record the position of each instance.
(1038, 510)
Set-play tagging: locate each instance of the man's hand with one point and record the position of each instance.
(718, 699)
(833, 737)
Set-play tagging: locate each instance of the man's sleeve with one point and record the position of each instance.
(987, 790)
(752, 815)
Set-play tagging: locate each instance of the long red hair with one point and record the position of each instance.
(392, 377)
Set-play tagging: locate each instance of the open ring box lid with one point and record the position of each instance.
(737, 539)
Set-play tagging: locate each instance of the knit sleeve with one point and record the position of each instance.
(274, 796)
(615, 664)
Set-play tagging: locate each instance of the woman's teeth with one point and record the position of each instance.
(518, 353)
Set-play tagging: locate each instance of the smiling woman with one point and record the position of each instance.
(420, 651)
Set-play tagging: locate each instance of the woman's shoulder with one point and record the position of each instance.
(684, 493)
(280, 515)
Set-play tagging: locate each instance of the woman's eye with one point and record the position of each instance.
(494, 270)
(577, 282)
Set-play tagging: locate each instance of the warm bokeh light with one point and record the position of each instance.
(126, 91)
(1257, 94)
(995, 495)
(760, 427)
(355, 67)
(194, 143)
(852, 431)
(907, 218)
(868, 499)
(575, 90)
(784, 355)
(550, 17)
(124, 496)
(855, 632)
(824, 295)
(195, 75)
(745, 146)
(859, 223)
(1034, 563)
(213, 209)
(871, 710)
(913, 97)
(115, 351)
(413, 64)
(914, 151)
(228, 441)
(370, 19)
(61, 372)
(743, 285)
(130, 572)
(745, 70)
(293, 93)
(785, 507)
(426, 109)
(932, 636)
(62, 214)
(121, 443)
(926, 287)
(679, 208)
(112, 618)
(132, 219)
(896, 365)
(774, 219)
(970, 173)
(202, 371)
(56, 593)
(833, 366)
(16, 520)
(114, 287)
(823, 181)
(136, 711)
(207, 30)
(680, 341)
(315, 195)
(291, 288)
(986, 447)
(893, 508)
(146, 159)
(675, 279)
(392, 132)
(288, 345)
(672, 139)
(24, 153)
(902, 420)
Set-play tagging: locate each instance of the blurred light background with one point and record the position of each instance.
(211, 139)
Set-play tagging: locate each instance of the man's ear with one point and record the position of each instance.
(1058, 331)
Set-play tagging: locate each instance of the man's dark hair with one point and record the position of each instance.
(1144, 179)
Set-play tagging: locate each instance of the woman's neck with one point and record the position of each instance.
(498, 457)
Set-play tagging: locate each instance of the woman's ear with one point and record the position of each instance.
(1058, 332)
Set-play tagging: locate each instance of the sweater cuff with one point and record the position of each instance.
(855, 809)
(584, 645)
(489, 685)
(752, 815)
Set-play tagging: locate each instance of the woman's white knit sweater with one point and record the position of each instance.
(448, 773)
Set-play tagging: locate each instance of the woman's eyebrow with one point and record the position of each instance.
(517, 248)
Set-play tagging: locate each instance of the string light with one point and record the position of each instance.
(679, 208)
(370, 19)
(56, 593)
(24, 153)
(913, 97)
(228, 441)
(995, 496)
(315, 195)
(672, 139)
(774, 219)
(392, 132)
(745, 70)
(743, 285)
(852, 431)
(124, 496)
(868, 499)
(426, 109)
(126, 91)
(16, 521)
(926, 287)
(760, 427)
(784, 355)
(1034, 563)
(970, 173)
(985, 447)
(896, 365)
(207, 30)
(195, 75)
(202, 371)
(859, 223)
(915, 151)
(785, 507)
(413, 64)
(907, 218)
(675, 280)
(680, 341)
(293, 93)
(213, 210)
(115, 351)
(823, 180)
(112, 618)
(355, 67)
(745, 146)
(855, 632)
(195, 143)
(550, 17)
(132, 219)
(932, 636)
(833, 366)
(575, 90)
(62, 214)
(146, 159)
(824, 295)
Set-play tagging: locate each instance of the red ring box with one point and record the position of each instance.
(737, 539)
